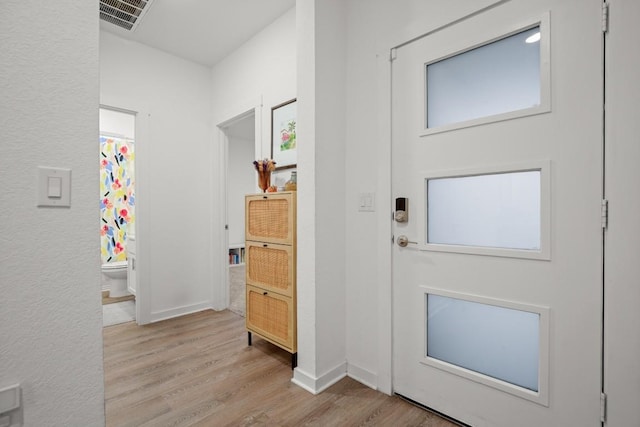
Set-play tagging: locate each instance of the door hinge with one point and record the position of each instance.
(605, 17)
(603, 407)
(393, 54)
(604, 213)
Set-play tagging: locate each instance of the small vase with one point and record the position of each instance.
(292, 184)
(264, 180)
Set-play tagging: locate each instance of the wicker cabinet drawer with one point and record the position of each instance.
(270, 244)
(270, 266)
(271, 218)
(272, 316)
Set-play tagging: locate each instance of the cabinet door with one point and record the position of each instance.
(270, 218)
(271, 266)
(271, 315)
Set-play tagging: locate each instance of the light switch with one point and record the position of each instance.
(366, 202)
(9, 398)
(54, 186)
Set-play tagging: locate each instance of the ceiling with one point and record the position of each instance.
(203, 31)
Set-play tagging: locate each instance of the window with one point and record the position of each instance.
(504, 78)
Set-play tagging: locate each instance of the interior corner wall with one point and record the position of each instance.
(305, 373)
(330, 143)
(50, 309)
(174, 161)
(368, 171)
(259, 74)
(321, 193)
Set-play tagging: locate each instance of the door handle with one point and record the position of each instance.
(403, 241)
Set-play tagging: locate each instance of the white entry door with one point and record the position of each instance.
(497, 265)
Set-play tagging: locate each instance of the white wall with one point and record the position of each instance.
(263, 70)
(260, 74)
(50, 309)
(321, 193)
(241, 181)
(174, 161)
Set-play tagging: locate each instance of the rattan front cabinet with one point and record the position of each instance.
(270, 232)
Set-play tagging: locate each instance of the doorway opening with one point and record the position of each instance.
(239, 139)
(117, 200)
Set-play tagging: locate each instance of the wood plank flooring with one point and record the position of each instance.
(106, 299)
(197, 370)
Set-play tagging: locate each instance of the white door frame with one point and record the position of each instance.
(392, 54)
(622, 356)
(143, 286)
(622, 238)
(241, 111)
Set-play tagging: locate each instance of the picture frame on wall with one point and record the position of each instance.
(284, 144)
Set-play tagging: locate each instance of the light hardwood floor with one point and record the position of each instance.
(197, 370)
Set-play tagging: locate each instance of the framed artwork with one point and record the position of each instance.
(284, 144)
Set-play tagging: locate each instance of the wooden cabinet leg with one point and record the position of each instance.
(248, 338)
(294, 361)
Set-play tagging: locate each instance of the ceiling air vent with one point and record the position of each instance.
(124, 13)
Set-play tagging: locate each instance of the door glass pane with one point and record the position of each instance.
(499, 342)
(496, 78)
(500, 210)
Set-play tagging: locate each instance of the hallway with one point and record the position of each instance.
(198, 370)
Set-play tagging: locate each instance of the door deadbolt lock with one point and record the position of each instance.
(403, 241)
(400, 216)
(402, 210)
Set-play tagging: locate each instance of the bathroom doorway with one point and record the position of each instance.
(117, 201)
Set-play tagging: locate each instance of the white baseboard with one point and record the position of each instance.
(363, 376)
(179, 311)
(318, 385)
(219, 307)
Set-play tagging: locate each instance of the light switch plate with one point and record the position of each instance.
(54, 186)
(367, 202)
(9, 398)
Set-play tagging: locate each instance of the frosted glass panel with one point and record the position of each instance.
(496, 78)
(496, 210)
(500, 342)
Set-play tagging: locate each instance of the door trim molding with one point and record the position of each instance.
(544, 253)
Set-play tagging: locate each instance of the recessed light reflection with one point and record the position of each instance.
(533, 38)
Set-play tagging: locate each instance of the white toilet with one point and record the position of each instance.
(114, 278)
